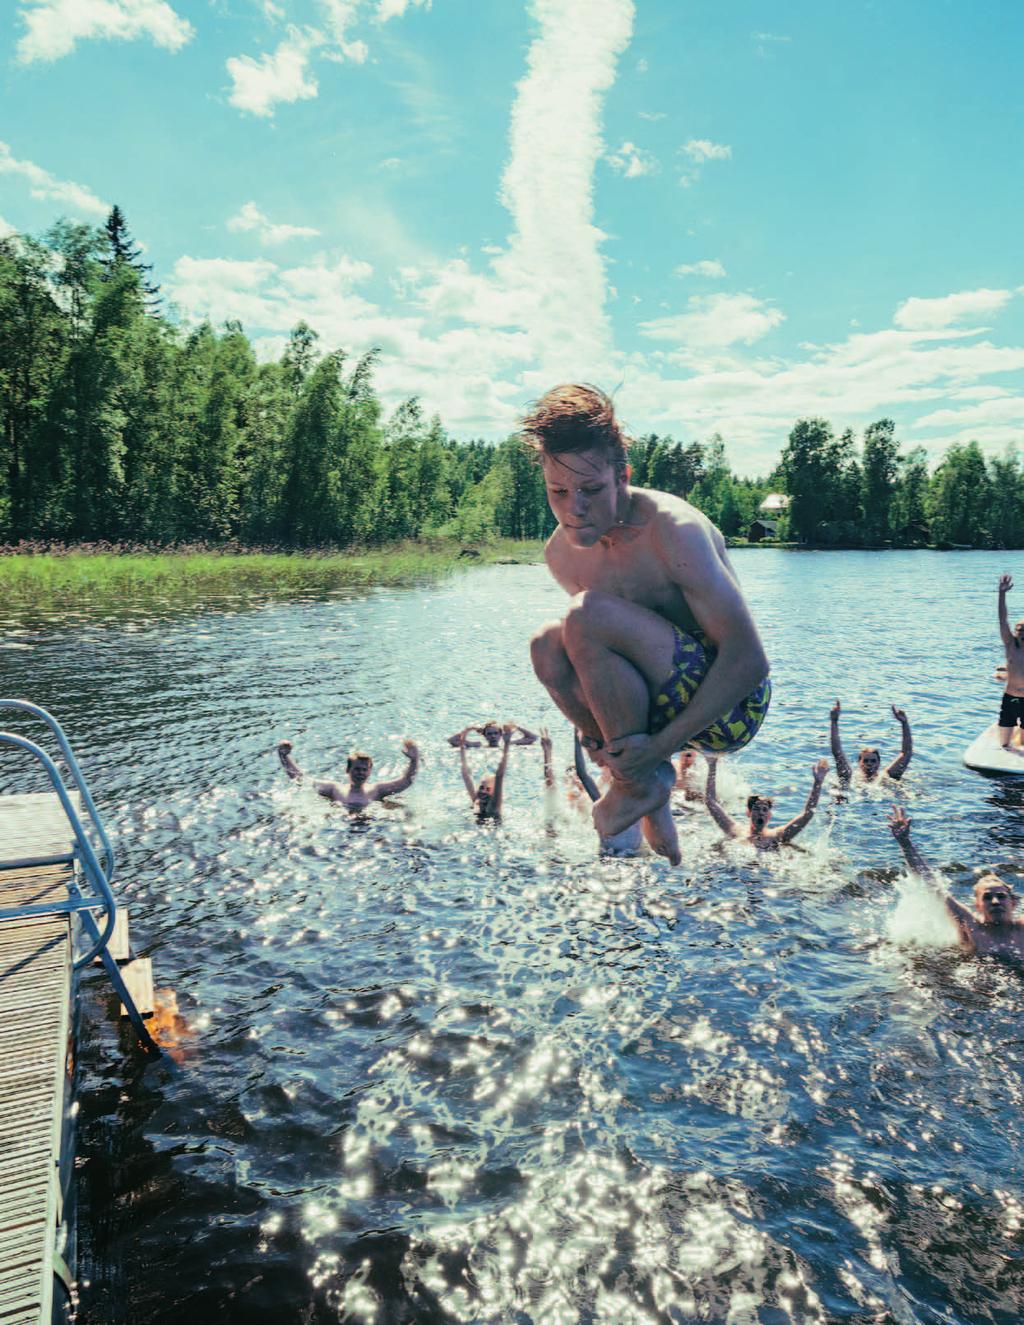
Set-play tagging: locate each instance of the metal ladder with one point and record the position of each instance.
(86, 865)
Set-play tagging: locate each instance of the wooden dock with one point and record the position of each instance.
(37, 988)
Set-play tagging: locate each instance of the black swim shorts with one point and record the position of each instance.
(1011, 711)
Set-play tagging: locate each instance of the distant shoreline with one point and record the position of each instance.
(59, 572)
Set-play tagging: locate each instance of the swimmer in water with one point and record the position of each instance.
(1011, 711)
(486, 798)
(491, 732)
(685, 761)
(990, 930)
(360, 791)
(869, 761)
(759, 811)
(630, 841)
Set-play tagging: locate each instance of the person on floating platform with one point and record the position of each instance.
(990, 929)
(491, 731)
(658, 649)
(869, 761)
(759, 812)
(486, 797)
(627, 843)
(1011, 711)
(360, 792)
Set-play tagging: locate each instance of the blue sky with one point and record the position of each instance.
(732, 215)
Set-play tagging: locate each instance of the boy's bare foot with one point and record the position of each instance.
(660, 830)
(626, 802)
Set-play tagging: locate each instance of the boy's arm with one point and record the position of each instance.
(728, 825)
(693, 563)
(411, 751)
(899, 825)
(545, 745)
(284, 753)
(525, 737)
(466, 778)
(582, 772)
(899, 765)
(788, 831)
(499, 772)
(842, 763)
(1007, 635)
(459, 738)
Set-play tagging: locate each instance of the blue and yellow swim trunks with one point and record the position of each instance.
(691, 658)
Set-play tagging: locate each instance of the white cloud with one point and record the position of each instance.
(6, 229)
(268, 232)
(632, 161)
(709, 267)
(387, 9)
(703, 149)
(930, 314)
(259, 84)
(716, 320)
(47, 188)
(54, 27)
(653, 115)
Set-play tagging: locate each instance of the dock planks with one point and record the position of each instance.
(36, 988)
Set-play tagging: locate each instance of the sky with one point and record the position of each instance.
(730, 216)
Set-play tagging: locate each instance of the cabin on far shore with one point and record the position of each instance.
(765, 526)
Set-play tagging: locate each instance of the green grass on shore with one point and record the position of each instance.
(52, 577)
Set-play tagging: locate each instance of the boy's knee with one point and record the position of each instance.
(588, 612)
(547, 653)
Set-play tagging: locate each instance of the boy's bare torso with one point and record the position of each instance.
(1015, 670)
(629, 562)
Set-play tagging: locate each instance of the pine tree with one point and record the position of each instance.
(124, 251)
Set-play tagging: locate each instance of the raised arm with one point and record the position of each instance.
(545, 745)
(899, 765)
(899, 826)
(728, 825)
(582, 772)
(459, 738)
(330, 790)
(467, 779)
(411, 751)
(499, 772)
(1006, 634)
(788, 831)
(842, 763)
(525, 737)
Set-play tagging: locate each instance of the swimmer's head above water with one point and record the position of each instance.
(483, 801)
(759, 812)
(994, 900)
(869, 761)
(358, 767)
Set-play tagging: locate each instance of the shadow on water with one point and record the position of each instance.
(424, 1072)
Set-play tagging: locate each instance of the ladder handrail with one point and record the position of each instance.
(26, 706)
(90, 863)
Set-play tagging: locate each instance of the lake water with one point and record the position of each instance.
(424, 1071)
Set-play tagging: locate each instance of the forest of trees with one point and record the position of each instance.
(119, 424)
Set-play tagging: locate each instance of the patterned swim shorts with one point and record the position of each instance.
(692, 657)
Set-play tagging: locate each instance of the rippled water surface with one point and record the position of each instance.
(424, 1071)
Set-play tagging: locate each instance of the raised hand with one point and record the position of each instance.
(1005, 583)
(284, 747)
(545, 742)
(835, 711)
(820, 769)
(410, 749)
(899, 714)
(899, 822)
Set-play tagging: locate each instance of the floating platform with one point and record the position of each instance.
(988, 755)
